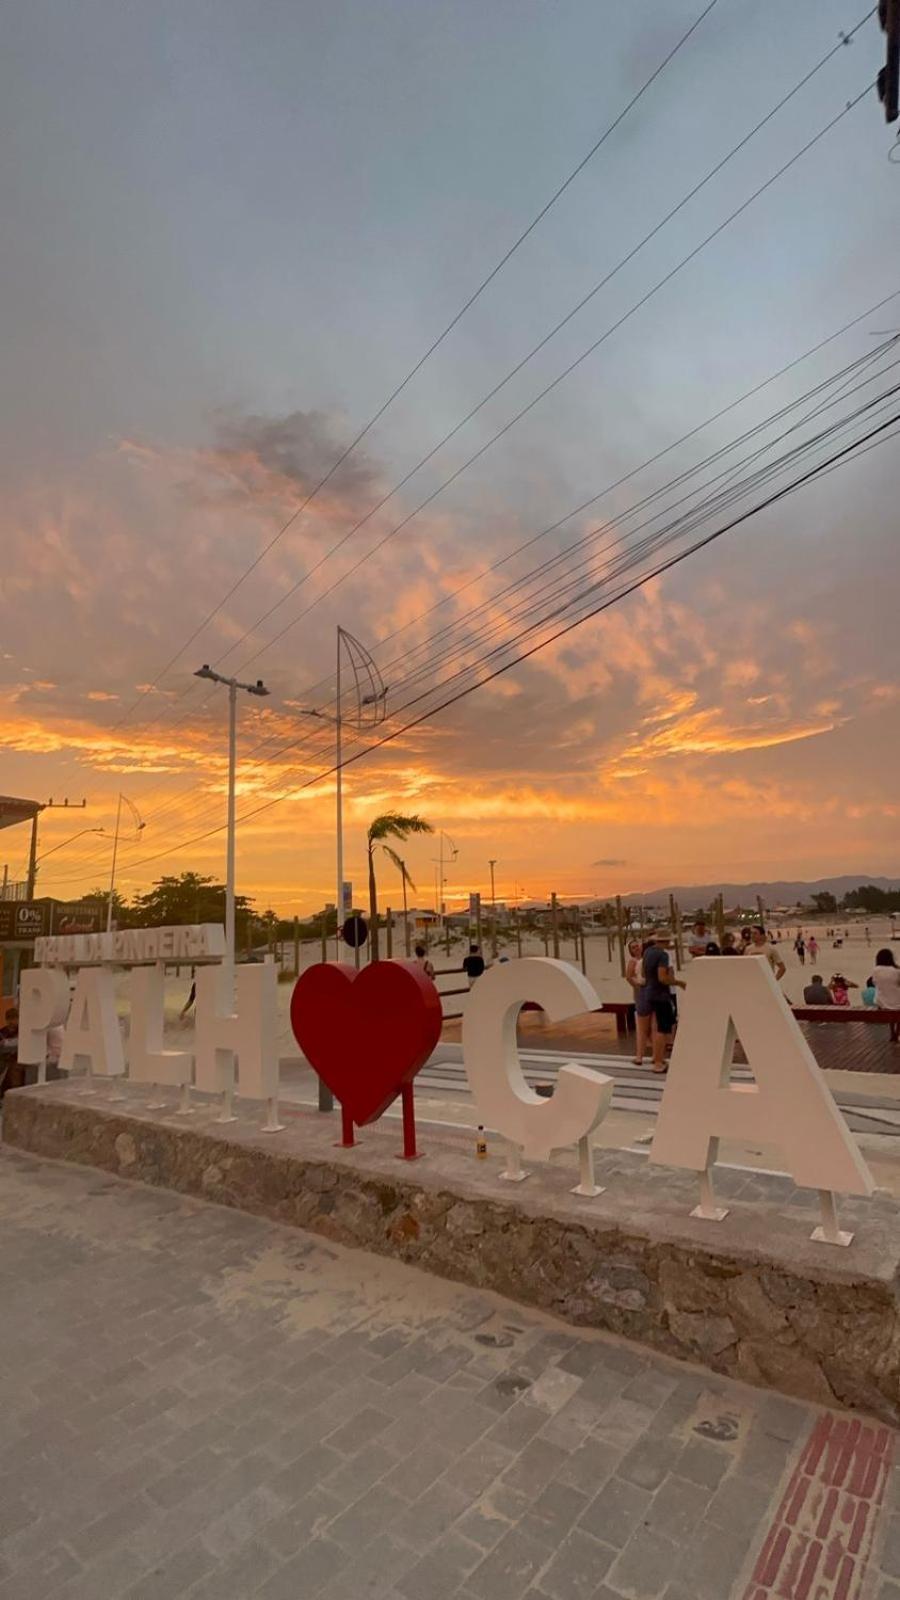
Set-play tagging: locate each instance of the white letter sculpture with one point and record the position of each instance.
(92, 1039)
(43, 1004)
(148, 1060)
(533, 1125)
(248, 1033)
(790, 1104)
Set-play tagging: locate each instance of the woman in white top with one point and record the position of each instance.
(886, 978)
(634, 974)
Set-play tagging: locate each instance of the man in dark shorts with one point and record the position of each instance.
(659, 981)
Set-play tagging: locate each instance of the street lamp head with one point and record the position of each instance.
(205, 671)
(258, 687)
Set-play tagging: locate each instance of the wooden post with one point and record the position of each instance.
(545, 935)
(477, 924)
(554, 925)
(579, 941)
(518, 927)
(297, 946)
(389, 932)
(447, 936)
(720, 918)
(620, 934)
(675, 918)
(607, 924)
(324, 942)
(761, 909)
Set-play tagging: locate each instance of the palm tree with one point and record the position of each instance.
(406, 880)
(390, 825)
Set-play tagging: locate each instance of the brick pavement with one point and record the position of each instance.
(198, 1403)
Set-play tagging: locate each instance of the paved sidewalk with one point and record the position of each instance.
(198, 1403)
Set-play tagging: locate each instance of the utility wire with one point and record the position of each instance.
(414, 370)
(841, 456)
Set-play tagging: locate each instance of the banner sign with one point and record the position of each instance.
(126, 947)
(29, 919)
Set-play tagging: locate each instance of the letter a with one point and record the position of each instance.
(790, 1104)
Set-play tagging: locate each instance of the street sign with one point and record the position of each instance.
(355, 931)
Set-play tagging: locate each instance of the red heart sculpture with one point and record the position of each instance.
(366, 1033)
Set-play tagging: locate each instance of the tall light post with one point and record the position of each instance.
(492, 865)
(139, 828)
(439, 908)
(370, 709)
(232, 685)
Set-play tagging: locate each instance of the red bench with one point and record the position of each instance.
(846, 1014)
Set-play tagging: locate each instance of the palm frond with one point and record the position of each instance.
(399, 863)
(397, 825)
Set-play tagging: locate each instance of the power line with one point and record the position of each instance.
(314, 740)
(838, 457)
(414, 370)
(548, 388)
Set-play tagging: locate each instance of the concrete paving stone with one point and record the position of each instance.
(519, 1424)
(358, 1431)
(478, 1466)
(510, 1569)
(574, 1421)
(375, 1510)
(887, 1590)
(711, 1562)
(624, 1421)
(111, 1575)
(440, 1572)
(110, 1528)
(784, 1419)
(209, 1433)
(373, 1574)
(535, 1464)
(555, 1511)
(242, 1520)
(304, 1519)
(591, 1465)
(645, 1567)
(704, 1463)
(306, 1574)
(239, 1576)
(651, 1387)
(174, 1575)
(173, 1486)
(615, 1511)
(356, 1474)
(483, 1525)
(889, 1558)
(578, 1566)
(739, 1504)
(42, 1576)
(677, 1508)
(650, 1461)
(431, 1515)
(415, 1472)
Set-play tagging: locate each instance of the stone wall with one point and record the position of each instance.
(751, 1297)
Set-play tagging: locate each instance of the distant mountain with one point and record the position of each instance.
(783, 892)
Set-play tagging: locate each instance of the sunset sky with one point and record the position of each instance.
(230, 230)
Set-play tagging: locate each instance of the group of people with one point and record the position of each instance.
(881, 989)
(654, 980)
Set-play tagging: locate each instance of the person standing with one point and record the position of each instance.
(473, 966)
(886, 981)
(657, 998)
(697, 940)
(759, 946)
(812, 946)
(423, 961)
(634, 975)
(800, 947)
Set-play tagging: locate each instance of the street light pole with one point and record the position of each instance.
(492, 865)
(232, 685)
